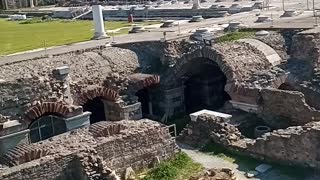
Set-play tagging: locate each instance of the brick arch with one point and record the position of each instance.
(97, 91)
(23, 153)
(204, 53)
(57, 108)
(139, 81)
(149, 81)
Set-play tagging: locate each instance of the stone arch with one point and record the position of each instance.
(23, 153)
(285, 82)
(97, 91)
(142, 87)
(96, 99)
(149, 81)
(57, 108)
(204, 53)
(205, 74)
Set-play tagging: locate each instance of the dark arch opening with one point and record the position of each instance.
(286, 86)
(96, 107)
(144, 99)
(46, 126)
(204, 86)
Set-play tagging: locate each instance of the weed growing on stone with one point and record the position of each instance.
(181, 167)
(234, 36)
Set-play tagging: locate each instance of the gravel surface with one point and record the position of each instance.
(209, 161)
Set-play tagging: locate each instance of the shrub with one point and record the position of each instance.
(181, 167)
(164, 171)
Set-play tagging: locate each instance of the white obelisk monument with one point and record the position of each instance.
(99, 33)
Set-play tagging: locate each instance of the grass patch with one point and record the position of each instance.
(17, 36)
(233, 36)
(247, 163)
(180, 168)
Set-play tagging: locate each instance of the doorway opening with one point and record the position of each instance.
(144, 99)
(204, 86)
(96, 107)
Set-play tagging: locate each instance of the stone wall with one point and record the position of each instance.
(152, 13)
(286, 107)
(296, 145)
(305, 46)
(45, 168)
(24, 82)
(119, 144)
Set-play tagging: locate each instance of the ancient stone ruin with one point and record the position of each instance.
(83, 109)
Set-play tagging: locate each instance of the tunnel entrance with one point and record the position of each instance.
(144, 99)
(204, 86)
(96, 107)
(286, 86)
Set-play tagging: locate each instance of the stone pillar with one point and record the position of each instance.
(196, 4)
(62, 74)
(99, 23)
(31, 3)
(5, 4)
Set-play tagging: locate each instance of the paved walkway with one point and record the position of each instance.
(153, 35)
(183, 30)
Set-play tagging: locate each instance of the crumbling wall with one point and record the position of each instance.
(119, 145)
(207, 128)
(24, 82)
(306, 46)
(286, 107)
(277, 42)
(296, 145)
(50, 167)
(17, 96)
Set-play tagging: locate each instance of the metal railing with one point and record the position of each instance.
(172, 130)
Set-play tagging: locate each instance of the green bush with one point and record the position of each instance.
(164, 171)
(181, 167)
(181, 160)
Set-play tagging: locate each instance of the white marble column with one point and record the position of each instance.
(196, 4)
(99, 23)
(31, 3)
(5, 4)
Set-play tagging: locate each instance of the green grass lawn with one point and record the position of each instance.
(16, 36)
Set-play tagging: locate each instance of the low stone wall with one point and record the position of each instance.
(152, 13)
(288, 107)
(296, 145)
(117, 145)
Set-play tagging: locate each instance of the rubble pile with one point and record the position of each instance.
(216, 174)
